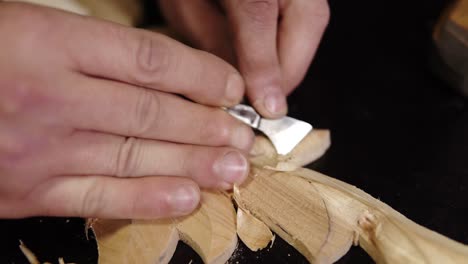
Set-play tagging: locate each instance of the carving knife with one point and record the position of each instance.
(285, 133)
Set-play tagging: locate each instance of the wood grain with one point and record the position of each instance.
(211, 230)
(254, 233)
(321, 217)
(135, 241)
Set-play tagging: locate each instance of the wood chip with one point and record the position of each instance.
(211, 230)
(254, 233)
(28, 254)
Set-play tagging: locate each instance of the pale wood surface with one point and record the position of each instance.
(254, 233)
(320, 216)
(334, 214)
(388, 236)
(312, 147)
(211, 230)
(295, 210)
(135, 241)
(32, 259)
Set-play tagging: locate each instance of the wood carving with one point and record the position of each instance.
(210, 231)
(135, 241)
(254, 233)
(320, 216)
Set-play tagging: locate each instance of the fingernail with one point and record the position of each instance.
(243, 138)
(232, 167)
(275, 104)
(234, 88)
(184, 200)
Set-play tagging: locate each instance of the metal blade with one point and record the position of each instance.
(285, 133)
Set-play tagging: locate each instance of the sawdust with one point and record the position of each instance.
(238, 255)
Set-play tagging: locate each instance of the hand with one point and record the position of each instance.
(272, 41)
(90, 125)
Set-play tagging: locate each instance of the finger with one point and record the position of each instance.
(254, 26)
(91, 153)
(202, 23)
(126, 110)
(300, 30)
(151, 60)
(108, 197)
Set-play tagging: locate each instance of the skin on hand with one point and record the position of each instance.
(272, 42)
(91, 123)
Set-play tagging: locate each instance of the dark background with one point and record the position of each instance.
(399, 132)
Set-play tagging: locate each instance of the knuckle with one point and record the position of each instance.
(217, 129)
(128, 157)
(260, 11)
(146, 114)
(152, 60)
(92, 201)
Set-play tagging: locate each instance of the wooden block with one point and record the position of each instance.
(318, 215)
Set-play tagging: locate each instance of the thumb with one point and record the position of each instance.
(255, 25)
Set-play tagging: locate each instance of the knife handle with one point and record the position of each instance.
(245, 114)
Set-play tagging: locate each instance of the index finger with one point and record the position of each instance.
(151, 60)
(254, 25)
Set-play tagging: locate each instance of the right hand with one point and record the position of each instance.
(90, 125)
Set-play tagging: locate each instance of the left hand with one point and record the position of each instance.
(273, 41)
